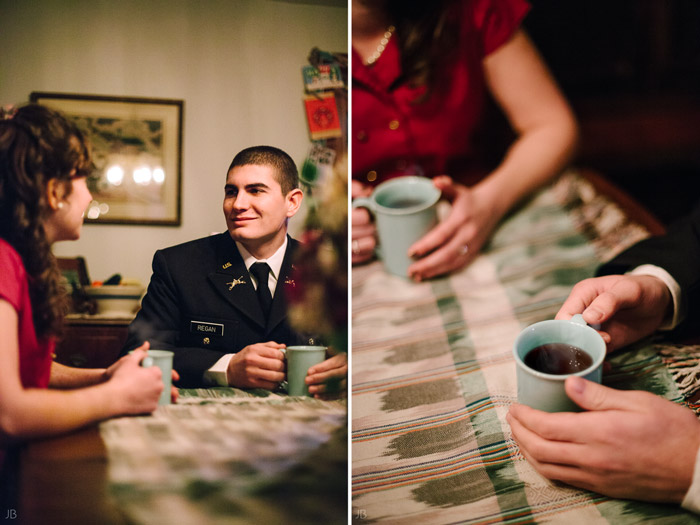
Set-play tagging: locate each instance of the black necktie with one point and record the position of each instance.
(261, 271)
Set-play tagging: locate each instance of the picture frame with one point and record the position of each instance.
(137, 151)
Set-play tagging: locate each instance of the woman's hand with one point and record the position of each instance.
(364, 235)
(136, 389)
(457, 240)
(174, 392)
(109, 372)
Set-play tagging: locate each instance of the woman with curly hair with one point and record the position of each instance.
(44, 162)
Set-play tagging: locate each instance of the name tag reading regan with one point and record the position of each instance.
(202, 327)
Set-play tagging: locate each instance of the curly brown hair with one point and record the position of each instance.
(428, 34)
(38, 144)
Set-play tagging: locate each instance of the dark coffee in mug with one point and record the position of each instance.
(558, 358)
(403, 202)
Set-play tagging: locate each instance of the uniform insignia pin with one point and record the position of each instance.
(290, 281)
(235, 282)
(227, 265)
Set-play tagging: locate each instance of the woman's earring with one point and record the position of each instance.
(60, 205)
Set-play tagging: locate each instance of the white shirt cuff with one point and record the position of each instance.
(691, 501)
(673, 287)
(216, 375)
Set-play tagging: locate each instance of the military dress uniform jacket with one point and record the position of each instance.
(677, 252)
(201, 304)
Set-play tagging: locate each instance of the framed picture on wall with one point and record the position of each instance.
(137, 151)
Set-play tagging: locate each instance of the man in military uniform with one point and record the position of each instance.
(218, 302)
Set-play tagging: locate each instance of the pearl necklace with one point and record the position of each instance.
(382, 45)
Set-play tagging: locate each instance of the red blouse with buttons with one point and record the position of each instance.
(35, 355)
(393, 135)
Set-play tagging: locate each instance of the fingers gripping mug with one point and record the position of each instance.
(163, 359)
(548, 352)
(404, 209)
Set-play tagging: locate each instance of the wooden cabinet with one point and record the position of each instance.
(92, 341)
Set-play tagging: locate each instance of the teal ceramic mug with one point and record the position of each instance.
(299, 360)
(544, 390)
(404, 209)
(163, 359)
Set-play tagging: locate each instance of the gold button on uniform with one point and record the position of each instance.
(206, 341)
(394, 124)
(371, 176)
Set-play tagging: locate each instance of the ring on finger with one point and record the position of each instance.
(463, 250)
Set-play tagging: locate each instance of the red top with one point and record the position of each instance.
(391, 134)
(35, 356)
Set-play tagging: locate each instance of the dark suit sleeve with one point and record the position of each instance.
(678, 252)
(160, 320)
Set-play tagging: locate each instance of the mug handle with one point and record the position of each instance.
(368, 203)
(363, 202)
(578, 319)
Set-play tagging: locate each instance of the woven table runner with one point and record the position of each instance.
(226, 456)
(433, 374)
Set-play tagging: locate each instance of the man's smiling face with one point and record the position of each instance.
(255, 208)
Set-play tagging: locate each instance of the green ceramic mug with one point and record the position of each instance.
(299, 360)
(545, 390)
(404, 209)
(163, 359)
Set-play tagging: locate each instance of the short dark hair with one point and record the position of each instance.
(285, 170)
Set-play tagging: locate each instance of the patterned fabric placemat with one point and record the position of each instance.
(225, 455)
(433, 374)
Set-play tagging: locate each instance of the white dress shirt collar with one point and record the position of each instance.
(274, 262)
